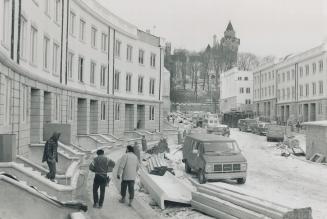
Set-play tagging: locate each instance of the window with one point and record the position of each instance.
(247, 101)
(269, 90)
(241, 90)
(151, 86)
(321, 87)
(6, 22)
(70, 64)
(313, 67)
(57, 14)
(273, 90)
(306, 70)
(128, 82)
(56, 58)
(248, 90)
(246, 78)
(319, 108)
(24, 109)
(306, 90)
(301, 72)
(129, 53)
(314, 88)
(23, 37)
(116, 80)
(265, 92)
(239, 78)
(94, 37)
(72, 23)
(117, 48)
(33, 45)
(7, 96)
(47, 7)
(321, 66)
(288, 93)
(151, 112)
(141, 56)
(57, 107)
(117, 111)
(70, 108)
(82, 30)
(288, 75)
(283, 76)
(278, 94)
(103, 76)
(273, 75)
(293, 92)
(301, 90)
(104, 42)
(140, 84)
(153, 60)
(103, 110)
(46, 53)
(283, 94)
(80, 68)
(92, 71)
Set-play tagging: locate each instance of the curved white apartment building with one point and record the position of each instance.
(74, 62)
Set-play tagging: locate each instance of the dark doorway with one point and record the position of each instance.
(94, 109)
(140, 116)
(82, 117)
(129, 117)
(36, 123)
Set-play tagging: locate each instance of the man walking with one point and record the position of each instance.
(50, 155)
(144, 144)
(128, 169)
(100, 165)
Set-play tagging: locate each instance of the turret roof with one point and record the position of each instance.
(230, 26)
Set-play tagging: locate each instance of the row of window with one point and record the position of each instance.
(264, 77)
(248, 90)
(117, 112)
(304, 91)
(129, 54)
(320, 108)
(240, 78)
(129, 83)
(265, 92)
(247, 101)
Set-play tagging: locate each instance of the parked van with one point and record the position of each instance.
(245, 125)
(275, 133)
(214, 157)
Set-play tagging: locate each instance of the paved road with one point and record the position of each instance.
(292, 181)
(112, 209)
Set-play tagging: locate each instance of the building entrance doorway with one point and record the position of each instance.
(140, 116)
(129, 117)
(94, 109)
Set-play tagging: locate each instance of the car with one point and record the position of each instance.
(245, 125)
(214, 157)
(275, 133)
(260, 129)
(219, 130)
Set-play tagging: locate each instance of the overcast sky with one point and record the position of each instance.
(265, 27)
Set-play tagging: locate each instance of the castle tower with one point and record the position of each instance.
(230, 44)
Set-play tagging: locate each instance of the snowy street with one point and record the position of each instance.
(286, 180)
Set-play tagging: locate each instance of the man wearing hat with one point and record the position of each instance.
(128, 167)
(100, 165)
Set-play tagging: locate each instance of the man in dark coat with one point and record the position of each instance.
(50, 155)
(101, 165)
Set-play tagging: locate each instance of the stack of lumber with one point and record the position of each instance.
(223, 203)
(157, 165)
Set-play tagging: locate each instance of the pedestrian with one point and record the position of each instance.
(50, 155)
(100, 165)
(127, 170)
(137, 151)
(173, 120)
(165, 145)
(298, 126)
(144, 144)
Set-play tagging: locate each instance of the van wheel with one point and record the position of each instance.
(241, 180)
(187, 167)
(201, 176)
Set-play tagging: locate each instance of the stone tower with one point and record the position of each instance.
(229, 44)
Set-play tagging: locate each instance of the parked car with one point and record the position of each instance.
(245, 125)
(260, 129)
(214, 157)
(219, 130)
(275, 133)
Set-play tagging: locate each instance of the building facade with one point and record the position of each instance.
(236, 91)
(300, 93)
(74, 62)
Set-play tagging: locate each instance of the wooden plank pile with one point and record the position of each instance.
(157, 165)
(226, 203)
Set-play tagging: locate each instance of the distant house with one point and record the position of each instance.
(316, 138)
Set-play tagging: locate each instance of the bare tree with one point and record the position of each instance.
(247, 61)
(195, 66)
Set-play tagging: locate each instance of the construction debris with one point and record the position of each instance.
(221, 202)
(157, 165)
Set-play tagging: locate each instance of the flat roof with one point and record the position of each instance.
(209, 137)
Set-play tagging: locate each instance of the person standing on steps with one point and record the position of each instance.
(50, 155)
(127, 170)
(144, 144)
(100, 165)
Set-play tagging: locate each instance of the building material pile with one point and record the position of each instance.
(157, 165)
(223, 203)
